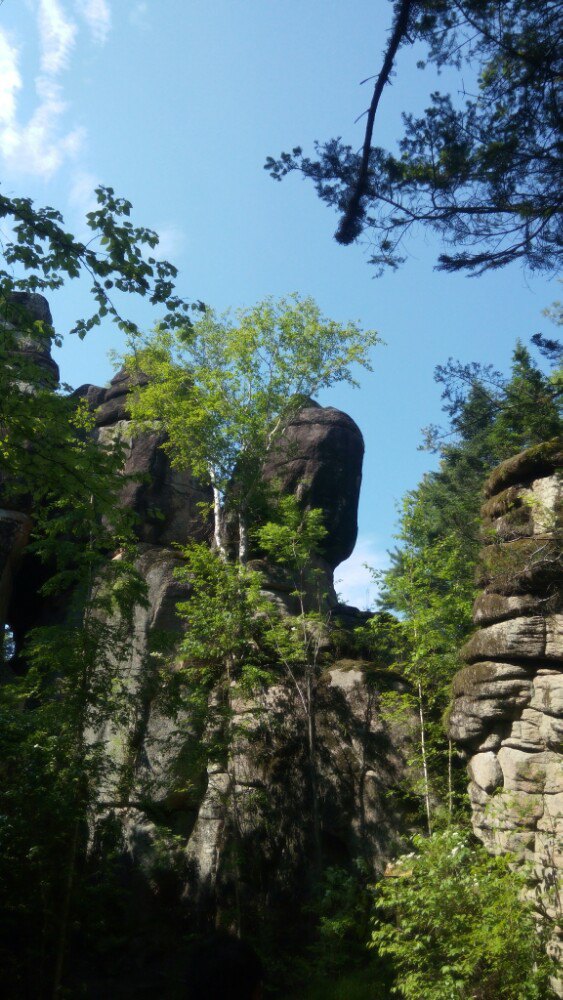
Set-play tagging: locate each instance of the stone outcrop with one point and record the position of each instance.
(198, 839)
(319, 459)
(173, 799)
(26, 332)
(507, 711)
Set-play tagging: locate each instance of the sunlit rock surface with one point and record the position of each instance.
(508, 701)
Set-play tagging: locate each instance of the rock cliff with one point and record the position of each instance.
(173, 802)
(199, 843)
(203, 841)
(27, 328)
(507, 711)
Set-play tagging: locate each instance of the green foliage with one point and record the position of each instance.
(52, 748)
(363, 983)
(114, 259)
(431, 584)
(481, 169)
(225, 390)
(453, 921)
(65, 685)
(224, 618)
(343, 907)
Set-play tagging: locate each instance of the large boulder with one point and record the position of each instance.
(319, 458)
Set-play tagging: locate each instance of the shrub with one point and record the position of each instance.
(461, 928)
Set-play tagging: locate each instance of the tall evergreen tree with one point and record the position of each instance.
(431, 582)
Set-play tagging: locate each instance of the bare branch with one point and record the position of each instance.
(350, 223)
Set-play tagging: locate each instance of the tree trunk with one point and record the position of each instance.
(242, 539)
(219, 524)
(424, 758)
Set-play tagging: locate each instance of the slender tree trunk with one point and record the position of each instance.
(219, 524)
(242, 539)
(424, 757)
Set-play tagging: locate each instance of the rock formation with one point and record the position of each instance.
(507, 711)
(201, 840)
(26, 329)
(360, 758)
(319, 459)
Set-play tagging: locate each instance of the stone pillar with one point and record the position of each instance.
(507, 709)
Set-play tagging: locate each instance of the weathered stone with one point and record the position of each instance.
(113, 406)
(517, 523)
(547, 697)
(532, 638)
(491, 608)
(164, 499)
(93, 395)
(544, 499)
(522, 771)
(485, 771)
(501, 504)
(539, 461)
(484, 693)
(319, 459)
(554, 638)
(21, 314)
(521, 626)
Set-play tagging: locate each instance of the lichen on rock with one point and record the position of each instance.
(507, 711)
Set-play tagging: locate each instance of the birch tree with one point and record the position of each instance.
(225, 388)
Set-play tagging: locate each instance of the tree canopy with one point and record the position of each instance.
(224, 391)
(481, 168)
(430, 584)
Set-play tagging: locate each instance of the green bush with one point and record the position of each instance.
(460, 928)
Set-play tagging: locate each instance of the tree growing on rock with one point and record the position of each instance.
(64, 488)
(224, 392)
(431, 581)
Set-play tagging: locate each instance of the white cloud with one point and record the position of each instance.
(57, 36)
(41, 144)
(97, 15)
(38, 146)
(10, 80)
(82, 197)
(354, 583)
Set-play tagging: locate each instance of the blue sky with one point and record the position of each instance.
(176, 104)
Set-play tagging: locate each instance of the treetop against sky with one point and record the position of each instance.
(176, 106)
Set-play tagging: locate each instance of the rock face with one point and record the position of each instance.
(319, 459)
(202, 840)
(257, 804)
(507, 711)
(27, 328)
